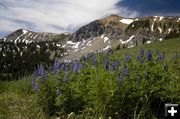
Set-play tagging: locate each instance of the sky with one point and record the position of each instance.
(59, 16)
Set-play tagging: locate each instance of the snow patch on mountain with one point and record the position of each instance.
(76, 50)
(136, 19)
(70, 42)
(24, 39)
(106, 39)
(148, 42)
(21, 53)
(160, 39)
(107, 47)
(125, 42)
(76, 45)
(35, 37)
(15, 41)
(83, 48)
(88, 43)
(152, 27)
(126, 21)
(161, 18)
(64, 45)
(160, 29)
(66, 33)
(24, 31)
(58, 45)
(83, 42)
(131, 46)
(102, 36)
(30, 41)
(31, 36)
(178, 20)
(169, 30)
(38, 46)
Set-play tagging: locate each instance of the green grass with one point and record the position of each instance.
(19, 101)
(170, 47)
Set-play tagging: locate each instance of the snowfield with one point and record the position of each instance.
(126, 21)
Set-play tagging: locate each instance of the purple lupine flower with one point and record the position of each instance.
(35, 85)
(120, 78)
(118, 49)
(117, 63)
(65, 67)
(162, 56)
(101, 51)
(83, 58)
(127, 58)
(142, 53)
(106, 63)
(41, 72)
(140, 59)
(106, 54)
(56, 67)
(148, 55)
(140, 56)
(110, 50)
(94, 59)
(113, 66)
(35, 73)
(126, 71)
(76, 67)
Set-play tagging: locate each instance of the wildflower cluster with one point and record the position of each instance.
(112, 79)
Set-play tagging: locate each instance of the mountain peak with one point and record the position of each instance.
(113, 17)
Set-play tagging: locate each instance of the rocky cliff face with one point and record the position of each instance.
(109, 25)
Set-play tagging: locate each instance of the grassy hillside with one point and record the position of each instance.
(115, 84)
(170, 47)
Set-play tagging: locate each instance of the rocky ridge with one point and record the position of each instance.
(110, 32)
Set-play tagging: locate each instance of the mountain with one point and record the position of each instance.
(111, 32)
(116, 31)
(26, 36)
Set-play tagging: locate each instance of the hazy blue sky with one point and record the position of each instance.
(68, 15)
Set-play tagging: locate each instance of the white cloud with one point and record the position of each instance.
(66, 15)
